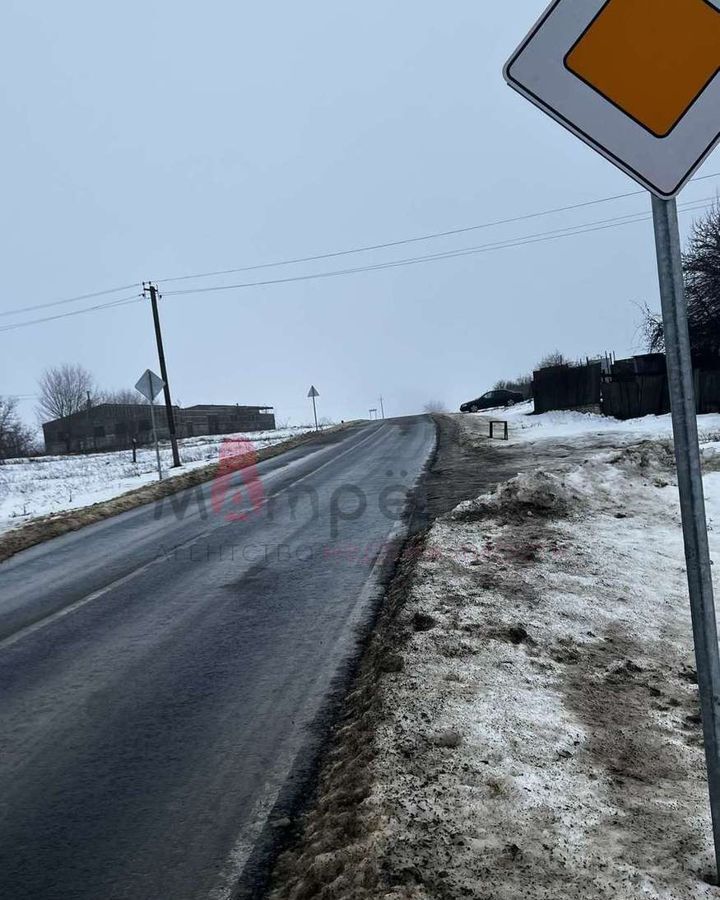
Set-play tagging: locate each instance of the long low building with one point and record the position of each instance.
(114, 426)
(209, 419)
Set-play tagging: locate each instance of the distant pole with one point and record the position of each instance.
(315, 413)
(89, 422)
(153, 291)
(382, 408)
(690, 486)
(155, 438)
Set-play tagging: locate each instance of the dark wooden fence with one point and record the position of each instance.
(707, 390)
(624, 389)
(636, 387)
(567, 387)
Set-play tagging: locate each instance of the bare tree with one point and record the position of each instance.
(123, 396)
(65, 390)
(556, 358)
(701, 267)
(522, 384)
(15, 438)
(435, 406)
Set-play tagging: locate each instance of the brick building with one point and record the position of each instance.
(113, 426)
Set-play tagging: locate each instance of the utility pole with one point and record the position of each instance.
(89, 422)
(153, 291)
(382, 408)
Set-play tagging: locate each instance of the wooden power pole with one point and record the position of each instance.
(153, 291)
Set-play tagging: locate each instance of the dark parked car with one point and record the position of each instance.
(491, 399)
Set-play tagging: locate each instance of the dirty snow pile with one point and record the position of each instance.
(542, 737)
(49, 484)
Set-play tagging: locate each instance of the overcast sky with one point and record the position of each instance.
(145, 140)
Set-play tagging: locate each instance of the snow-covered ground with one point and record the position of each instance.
(539, 737)
(50, 484)
(527, 427)
(543, 738)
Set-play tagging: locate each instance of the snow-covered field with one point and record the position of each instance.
(50, 484)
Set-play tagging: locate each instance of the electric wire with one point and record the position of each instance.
(525, 240)
(136, 298)
(411, 240)
(24, 309)
(541, 237)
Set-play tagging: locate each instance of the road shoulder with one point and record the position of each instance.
(525, 721)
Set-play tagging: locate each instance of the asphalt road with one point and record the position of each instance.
(161, 671)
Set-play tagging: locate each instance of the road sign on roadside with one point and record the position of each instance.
(313, 392)
(638, 80)
(149, 385)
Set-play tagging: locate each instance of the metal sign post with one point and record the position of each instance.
(313, 392)
(149, 385)
(155, 438)
(692, 500)
(640, 83)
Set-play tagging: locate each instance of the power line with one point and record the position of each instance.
(24, 309)
(412, 240)
(541, 237)
(336, 253)
(77, 312)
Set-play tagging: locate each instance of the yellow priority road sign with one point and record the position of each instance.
(638, 80)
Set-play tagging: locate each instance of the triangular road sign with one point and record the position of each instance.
(313, 392)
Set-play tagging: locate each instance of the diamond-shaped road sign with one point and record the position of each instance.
(638, 80)
(149, 385)
(313, 392)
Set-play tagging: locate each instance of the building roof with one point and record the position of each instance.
(225, 406)
(126, 407)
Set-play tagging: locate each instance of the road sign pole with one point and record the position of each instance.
(315, 412)
(692, 501)
(155, 438)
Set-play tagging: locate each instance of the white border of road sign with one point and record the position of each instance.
(537, 70)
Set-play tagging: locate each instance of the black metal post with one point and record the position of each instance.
(152, 289)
